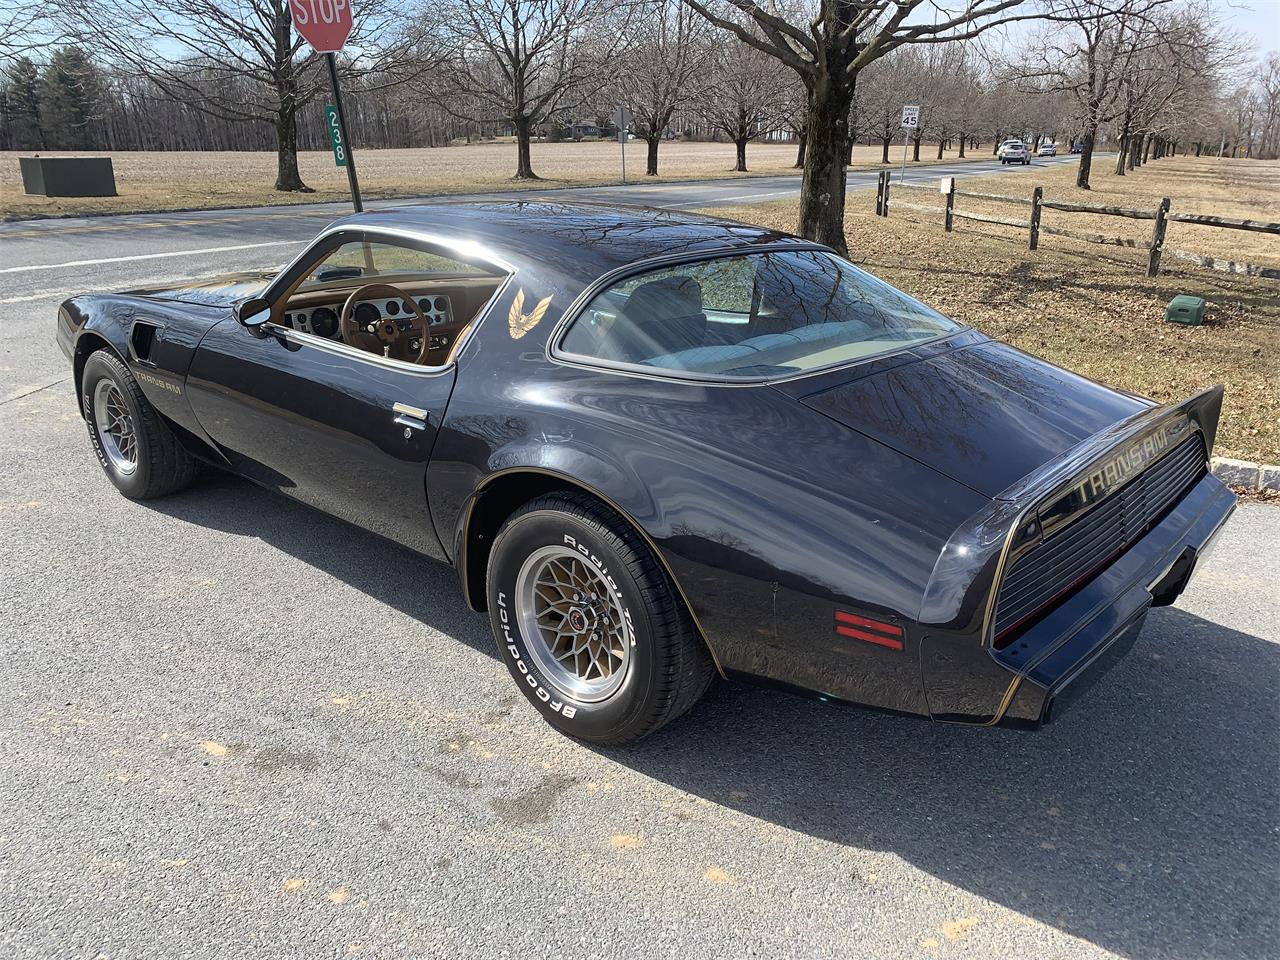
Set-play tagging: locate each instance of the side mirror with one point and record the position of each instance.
(253, 314)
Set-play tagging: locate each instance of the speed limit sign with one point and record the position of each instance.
(911, 116)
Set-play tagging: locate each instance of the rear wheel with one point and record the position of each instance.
(589, 624)
(135, 446)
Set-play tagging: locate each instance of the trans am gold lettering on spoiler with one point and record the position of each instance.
(520, 322)
(1129, 462)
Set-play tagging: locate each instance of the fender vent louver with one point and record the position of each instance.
(141, 339)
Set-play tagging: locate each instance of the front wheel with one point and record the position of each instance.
(134, 444)
(589, 624)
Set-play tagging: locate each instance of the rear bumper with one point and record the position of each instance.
(1062, 655)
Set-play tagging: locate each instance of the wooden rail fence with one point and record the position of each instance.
(1037, 203)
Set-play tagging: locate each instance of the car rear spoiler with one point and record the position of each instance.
(1203, 410)
(962, 589)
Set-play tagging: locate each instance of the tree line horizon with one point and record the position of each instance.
(825, 74)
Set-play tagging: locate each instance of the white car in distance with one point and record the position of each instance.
(1014, 151)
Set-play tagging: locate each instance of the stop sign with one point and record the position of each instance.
(325, 24)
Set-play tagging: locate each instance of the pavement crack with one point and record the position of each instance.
(27, 393)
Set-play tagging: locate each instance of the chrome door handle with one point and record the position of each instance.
(415, 418)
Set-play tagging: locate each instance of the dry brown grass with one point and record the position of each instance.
(1091, 308)
(177, 181)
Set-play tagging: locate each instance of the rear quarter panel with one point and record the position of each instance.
(768, 514)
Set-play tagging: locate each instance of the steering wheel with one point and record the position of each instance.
(384, 335)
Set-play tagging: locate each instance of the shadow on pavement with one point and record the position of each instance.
(1144, 820)
(421, 588)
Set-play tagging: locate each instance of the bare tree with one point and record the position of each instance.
(521, 61)
(26, 28)
(1178, 57)
(745, 97)
(827, 43)
(1085, 54)
(1266, 83)
(241, 60)
(662, 69)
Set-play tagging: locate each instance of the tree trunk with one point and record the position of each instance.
(1123, 154)
(651, 156)
(1146, 150)
(741, 165)
(1135, 152)
(1199, 147)
(915, 148)
(822, 186)
(287, 176)
(939, 149)
(995, 147)
(524, 158)
(884, 153)
(1086, 157)
(803, 140)
(962, 139)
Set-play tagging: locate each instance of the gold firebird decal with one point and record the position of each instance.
(520, 322)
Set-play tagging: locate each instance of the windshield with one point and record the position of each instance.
(383, 261)
(751, 316)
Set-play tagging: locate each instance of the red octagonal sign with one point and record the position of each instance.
(325, 24)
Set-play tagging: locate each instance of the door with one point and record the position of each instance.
(342, 430)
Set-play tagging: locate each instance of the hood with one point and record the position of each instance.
(223, 291)
(985, 415)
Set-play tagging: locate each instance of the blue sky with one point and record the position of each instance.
(1258, 21)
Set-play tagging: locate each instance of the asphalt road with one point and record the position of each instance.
(233, 727)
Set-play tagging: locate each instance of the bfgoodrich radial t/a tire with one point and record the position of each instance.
(589, 624)
(135, 446)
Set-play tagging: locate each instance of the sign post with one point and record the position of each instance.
(326, 24)
(910, 122)
(622, 120)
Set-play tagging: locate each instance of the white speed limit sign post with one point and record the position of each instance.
(910, 122)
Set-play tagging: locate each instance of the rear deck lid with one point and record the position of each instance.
(986, 415)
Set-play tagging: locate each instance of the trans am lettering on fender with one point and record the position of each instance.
(732, 453)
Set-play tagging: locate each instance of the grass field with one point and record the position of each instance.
(178, 181)
(1091, 308)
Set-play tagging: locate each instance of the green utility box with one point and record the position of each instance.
(1185, 309)
(67, 176)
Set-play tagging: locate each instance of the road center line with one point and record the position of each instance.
(151, 256)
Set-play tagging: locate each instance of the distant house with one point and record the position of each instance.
(584, 130)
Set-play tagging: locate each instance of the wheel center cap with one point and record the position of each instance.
(577, 620)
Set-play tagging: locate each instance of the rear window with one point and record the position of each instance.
(754, 316)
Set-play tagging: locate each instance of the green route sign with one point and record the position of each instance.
(335, 135)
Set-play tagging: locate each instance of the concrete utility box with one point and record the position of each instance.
(1185, 309)
(68, 176)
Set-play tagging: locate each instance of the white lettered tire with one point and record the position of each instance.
(132, 442)
(589, 624)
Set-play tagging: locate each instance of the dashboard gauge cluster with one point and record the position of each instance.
(323, 321)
